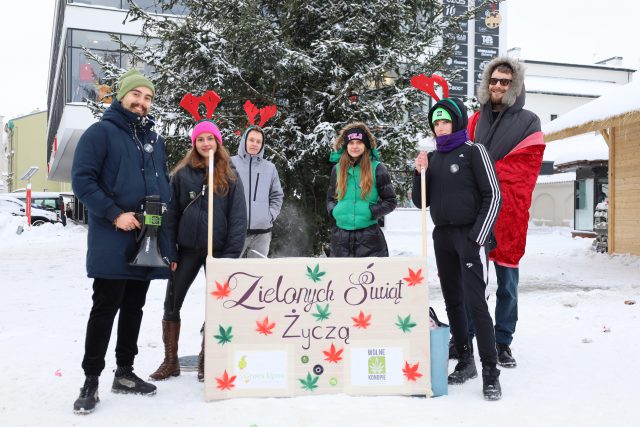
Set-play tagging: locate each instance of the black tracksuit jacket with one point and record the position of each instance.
(465, 189)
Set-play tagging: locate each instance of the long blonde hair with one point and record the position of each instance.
(223, 174)
(366, 174)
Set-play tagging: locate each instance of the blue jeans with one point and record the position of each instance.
(506, 305)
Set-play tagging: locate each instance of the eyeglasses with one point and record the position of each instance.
(503, 82)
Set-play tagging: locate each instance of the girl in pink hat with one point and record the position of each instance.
(186, 223)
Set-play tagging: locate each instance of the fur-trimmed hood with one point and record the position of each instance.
(515, 93)
(339, 142)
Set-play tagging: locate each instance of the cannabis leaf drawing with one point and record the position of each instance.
(333, 356)
(225, 382)
(309, 383)
(322, 314)
(362, 321)
(411, 371)
(405, 324)
(264, 327)
(225, 335)
(414, 278)
(377, 365)
(315, 274)
(222, 291)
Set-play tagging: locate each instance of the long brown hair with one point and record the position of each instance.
(366, 174)
(222, 173)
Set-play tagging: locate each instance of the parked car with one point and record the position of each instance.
(17, 207)
(50, 201)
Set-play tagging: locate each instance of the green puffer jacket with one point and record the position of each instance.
(353, 212)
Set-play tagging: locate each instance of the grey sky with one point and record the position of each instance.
(560, 30)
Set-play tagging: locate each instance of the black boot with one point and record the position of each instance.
(453, 352)
(505, 359)
(490, 382)
(465, 368)
(86, 402)
(125, 381)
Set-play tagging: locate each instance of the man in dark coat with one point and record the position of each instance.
(513, 138)
(118, 162)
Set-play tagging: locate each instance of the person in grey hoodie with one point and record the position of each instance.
(262, 191)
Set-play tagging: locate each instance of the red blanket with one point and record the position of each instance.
(517, 173)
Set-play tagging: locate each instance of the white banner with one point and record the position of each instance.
(300, 326)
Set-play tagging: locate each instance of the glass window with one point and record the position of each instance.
(85, 76)
(584, 204)
(109, 3)
(93, 40)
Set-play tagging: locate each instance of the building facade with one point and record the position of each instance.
(554, 89)
(25, 135)
(74, 77)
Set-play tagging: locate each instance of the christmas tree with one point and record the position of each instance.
(323, 63)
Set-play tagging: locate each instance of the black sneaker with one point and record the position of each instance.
(505, 359)
(490, 382)
(465, 368)
(126, 382)
(88, 399)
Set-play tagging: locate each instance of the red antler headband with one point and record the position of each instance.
(265, 113)
(191, 103)
(426, 84)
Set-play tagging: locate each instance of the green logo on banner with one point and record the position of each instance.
(377, 365)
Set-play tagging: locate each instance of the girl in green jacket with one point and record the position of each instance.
(360, 193)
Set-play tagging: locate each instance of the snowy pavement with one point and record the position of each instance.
(576, 346)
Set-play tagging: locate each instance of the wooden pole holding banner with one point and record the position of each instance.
(210, 208)
(423, 207)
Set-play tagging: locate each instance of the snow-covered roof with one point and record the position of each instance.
(556, 178)
(620, 100)
(566, 86)
(586, 147)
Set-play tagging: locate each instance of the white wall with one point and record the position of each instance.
(545, 105)
(588, 72)
(552, 204)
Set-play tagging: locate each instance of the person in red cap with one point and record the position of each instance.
(186, 222)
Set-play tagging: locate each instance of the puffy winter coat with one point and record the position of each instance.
(262, 190)
(515, 142)
(352, 212)
(186, 218)
(112, 173)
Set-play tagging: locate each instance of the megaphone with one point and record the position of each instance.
(151, 219)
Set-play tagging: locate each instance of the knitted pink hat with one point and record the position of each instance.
(205, 126)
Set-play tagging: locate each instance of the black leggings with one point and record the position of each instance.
(189, 263)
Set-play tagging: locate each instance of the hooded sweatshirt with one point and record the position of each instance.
(262, 190)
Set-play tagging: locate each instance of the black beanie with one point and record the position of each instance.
(357, 133)
(456, 109)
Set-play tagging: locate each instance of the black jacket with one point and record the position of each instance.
(186, 217)
(462, 189)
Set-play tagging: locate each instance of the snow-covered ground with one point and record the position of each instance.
(577, 347)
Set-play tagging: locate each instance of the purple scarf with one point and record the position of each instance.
(446, 143)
